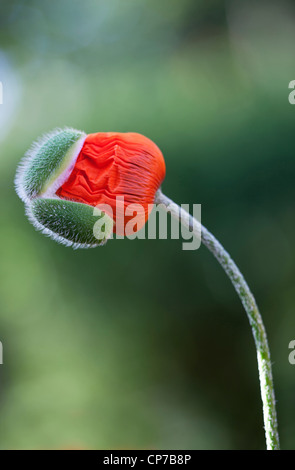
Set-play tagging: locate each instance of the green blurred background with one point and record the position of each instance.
(140, 345)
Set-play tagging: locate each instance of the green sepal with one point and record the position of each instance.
(70, 223)
(48, 163)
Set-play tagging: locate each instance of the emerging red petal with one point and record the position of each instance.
(112, 165)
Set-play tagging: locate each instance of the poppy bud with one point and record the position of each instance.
(67, 174)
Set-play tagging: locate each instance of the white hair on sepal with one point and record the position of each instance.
(27, 158)
(54, 236)
(64, 175)
(20, 182)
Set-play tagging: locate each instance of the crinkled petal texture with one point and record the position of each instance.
(119, 173)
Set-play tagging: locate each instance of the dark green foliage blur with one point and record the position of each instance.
(139, 344)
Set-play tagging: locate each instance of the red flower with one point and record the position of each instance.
(114, 165)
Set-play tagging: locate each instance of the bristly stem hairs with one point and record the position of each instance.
(249, 304)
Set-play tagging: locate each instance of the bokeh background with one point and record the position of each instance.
(140, 345)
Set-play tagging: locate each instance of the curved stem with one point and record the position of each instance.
(249, 303)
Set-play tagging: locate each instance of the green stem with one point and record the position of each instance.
(249, 303)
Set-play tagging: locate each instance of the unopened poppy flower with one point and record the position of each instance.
(67, 174)
(68, 178)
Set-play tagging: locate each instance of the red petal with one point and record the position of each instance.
(114, 164)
